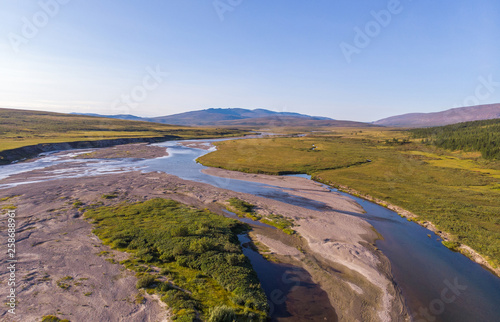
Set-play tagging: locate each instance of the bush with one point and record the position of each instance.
(145, 281)
(179, 231)
(222, 314)
(241, 205)
(451, 245)
(109, 196)
(164, 287)
(52, 318)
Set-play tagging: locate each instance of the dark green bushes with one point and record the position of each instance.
(482, 136)
(222, 314)
(241, 205)
(198, 250)
(146, 281)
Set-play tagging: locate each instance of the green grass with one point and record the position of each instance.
(52, 318)
(284, 155)
(20, 128)
(245, 209)
(279, 222)
(458, 192)
(240, 205)
(64, 282)
(198, 252)
(109, 196)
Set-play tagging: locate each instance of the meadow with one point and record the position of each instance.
(191, 258)
(20, 128)
(459, 192)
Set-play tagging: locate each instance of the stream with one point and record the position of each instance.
(438, 284)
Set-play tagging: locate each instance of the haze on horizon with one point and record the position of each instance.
(361, 61)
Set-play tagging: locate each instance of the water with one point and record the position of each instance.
(439, 285)
(292, 294)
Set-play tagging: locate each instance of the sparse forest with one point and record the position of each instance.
(482, 136)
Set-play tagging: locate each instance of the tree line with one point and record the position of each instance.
(482, 136)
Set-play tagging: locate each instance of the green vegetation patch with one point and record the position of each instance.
(246, 209)
(286, 155)
(109, 196)
(198, 252)
(52, 318)
(241, 205)
(280, 222)
(65, 282)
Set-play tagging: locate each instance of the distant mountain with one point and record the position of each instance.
(220, 116)
(289, 121)
(229, 117)
(455, 115)
(118, 116)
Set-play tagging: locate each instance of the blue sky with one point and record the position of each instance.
(155, 57)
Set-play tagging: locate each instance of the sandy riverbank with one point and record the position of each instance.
(139, 150)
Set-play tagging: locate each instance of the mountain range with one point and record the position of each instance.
(232, 117)
(452, 116)
(239, 117)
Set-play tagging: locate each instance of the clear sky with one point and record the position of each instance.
(333, 58)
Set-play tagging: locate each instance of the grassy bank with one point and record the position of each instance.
(202, 270)
(458, 192)
(20, 128)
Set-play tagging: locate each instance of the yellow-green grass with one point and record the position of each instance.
(202, 264)
(459, 193)
(20, 128)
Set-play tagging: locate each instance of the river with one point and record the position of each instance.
(439, 285)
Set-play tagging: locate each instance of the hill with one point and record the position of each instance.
(223, 116)
(127, 117)
(452, 116)
(21, 128)
(289, 121)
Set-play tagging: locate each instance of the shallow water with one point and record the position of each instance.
(439, 285)
(292, 294)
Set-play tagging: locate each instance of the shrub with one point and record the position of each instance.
(222, 314)
(179, 231)
(53, 318)
(241, 205)
(451, 245)
(145, 281)
(109, 196)
(77, 204)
